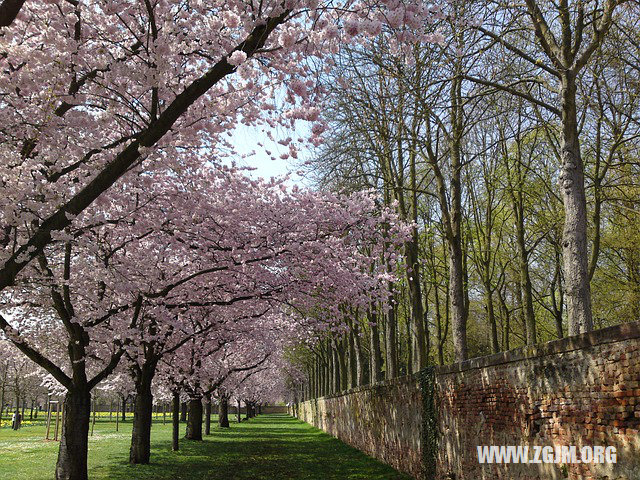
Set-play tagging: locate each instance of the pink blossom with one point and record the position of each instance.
(237, 58)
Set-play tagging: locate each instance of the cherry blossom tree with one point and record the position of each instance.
(101, 101)
(277, 249)
(139, 283)
(125, 84)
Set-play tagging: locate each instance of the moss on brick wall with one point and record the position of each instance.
(427, 379)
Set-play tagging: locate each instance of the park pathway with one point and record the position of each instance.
(268, 447)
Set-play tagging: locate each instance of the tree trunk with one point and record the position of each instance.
(523, 260)
(238, 411)
(194, 422)
(207, 414)
(327, 373)
(439, 340)
(418, 337)
(574, 235)
(319, 380)
(454, 236)
(183, 412)
(4, 383)
(495, 346)
(176, 421)
(557, 304)
(330, 369)
(223, 412)
(352, 361)
(376, 356)
(140, 451)
(407, 324)
(124, 409)
(72, 455)
(336, 367)
(360, 371)
(506, 341)
(390, 334)
(342, 364)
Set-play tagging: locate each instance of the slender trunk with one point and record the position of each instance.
(418, 340)
(238, 413)
(506, 343)
(332, 368)
(520, 303)
(223, 412)
(456, 260)
(207, 414)
(327, 372)
(352, 360)
(574, 236)
(360, 380)
(456, 300)
(72, 455)
(194, 422)
(336, 367)
(390, 334)
(176, 421)
(124, 409)
(183, 412)
(408, 322)
(319, 380)
(438, 323)
(4, 383)
(342, 364)
(376, 356)
(523, 260)
(495, 346)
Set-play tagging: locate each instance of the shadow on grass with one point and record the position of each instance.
(268, 447)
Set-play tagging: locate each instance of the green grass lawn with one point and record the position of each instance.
(269, 447)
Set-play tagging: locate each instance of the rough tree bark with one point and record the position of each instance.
(207, 414)
(140, 452)
(223, 412)
(574, 237)
(194, 422)
(175, 407)
(72, 455)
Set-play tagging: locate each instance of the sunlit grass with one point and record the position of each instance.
(269, 447)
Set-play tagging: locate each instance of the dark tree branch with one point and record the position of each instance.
(9, 10)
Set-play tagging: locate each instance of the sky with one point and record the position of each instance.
(246, 140)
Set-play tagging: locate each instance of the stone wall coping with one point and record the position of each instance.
(617, 333)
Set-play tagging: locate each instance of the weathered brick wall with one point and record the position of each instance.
(582, 390)
(383, 420)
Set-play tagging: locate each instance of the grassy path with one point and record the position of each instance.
(269, 447)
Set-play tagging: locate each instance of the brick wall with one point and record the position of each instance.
(383, 420)
(581, 390)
